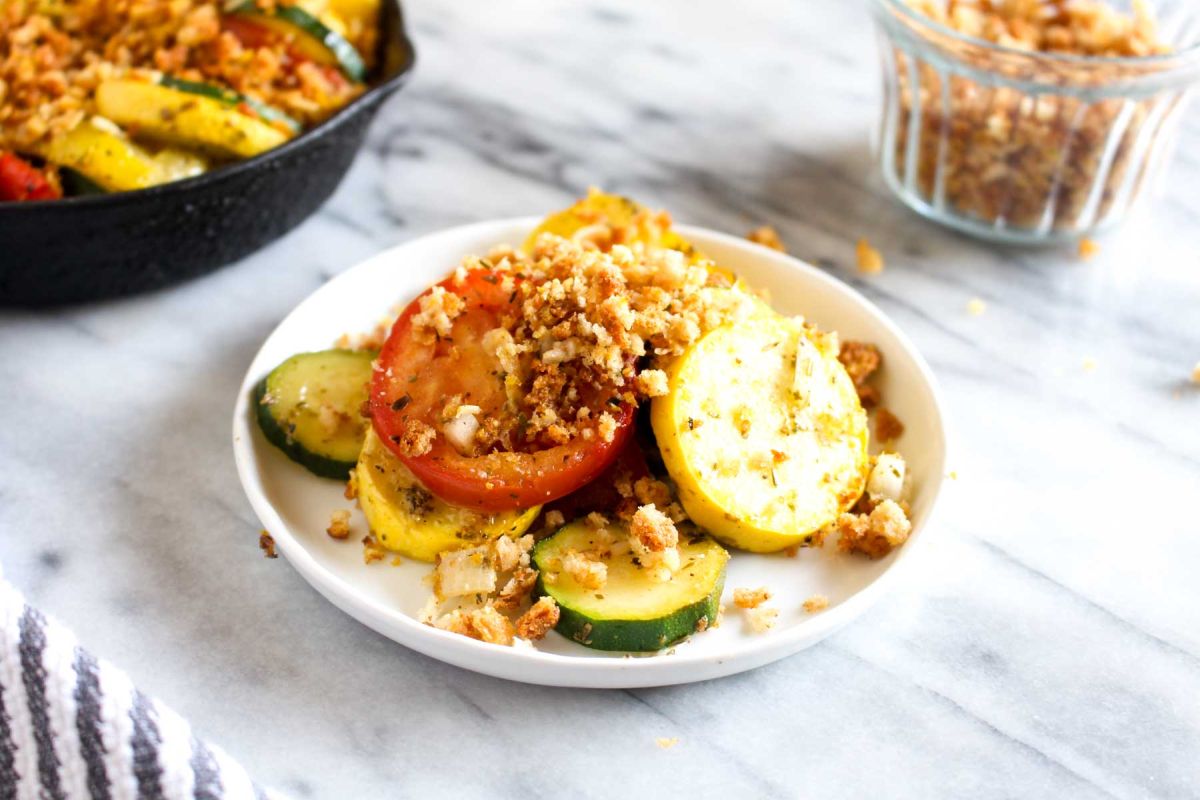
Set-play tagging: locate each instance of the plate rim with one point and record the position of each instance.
(527, 664)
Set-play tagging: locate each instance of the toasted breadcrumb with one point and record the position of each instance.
(417, 438)
(652, 382)
(976, 307)
(351, 491)
(875, 534)
(437, 310)
(767, 237)
(585, 570)
(554, 520)
(762, 618)
(751, 598)
(1088, 249)
(517, 589)
(816, 603)
(339, 524)
(888, 426)
(266, 543)
(870, 260)
(541, 617)
(861, 361)
(666, 743)
(372, 550)
(654, 540)
(485, 624)
(651, 491)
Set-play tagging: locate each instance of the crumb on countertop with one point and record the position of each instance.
(266, 543)
(870, 260)
(816, 603)
(666, 743)
(1088, 249)
(339, 524)
(767, 237)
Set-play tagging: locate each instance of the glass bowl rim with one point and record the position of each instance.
(1186, 56)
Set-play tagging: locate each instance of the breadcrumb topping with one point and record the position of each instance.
(339, 524)
(751, 598)
(654, 540)
(539, 620)
(762, 618)
(581, 319)
(816, 603)
(862, 360)
(888, 426)
(875, 534)
(485, 624)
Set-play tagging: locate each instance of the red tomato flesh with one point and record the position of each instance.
(20, 180)
(414, 380)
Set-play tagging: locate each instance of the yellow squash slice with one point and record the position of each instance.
(186, 119)
(116, 164)
(763, 433)
(406, 518)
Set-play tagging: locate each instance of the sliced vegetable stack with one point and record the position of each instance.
(506, 447)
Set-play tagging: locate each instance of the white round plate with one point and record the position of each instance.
(295, 506)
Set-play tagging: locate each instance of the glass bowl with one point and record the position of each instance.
(1022, 146)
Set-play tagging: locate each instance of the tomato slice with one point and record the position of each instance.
(601, 494)
(415, 378)
(20, 180)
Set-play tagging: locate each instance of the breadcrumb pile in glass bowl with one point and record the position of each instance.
(1031, 121)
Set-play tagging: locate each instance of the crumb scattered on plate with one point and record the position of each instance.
(976, 307)
(372, 550)
(816, 603)
(339, 524)
(888, 426)
(870, 260)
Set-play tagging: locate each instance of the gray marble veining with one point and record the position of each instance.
(1048, 645)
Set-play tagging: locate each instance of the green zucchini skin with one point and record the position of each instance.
(231, 98)
(344, 54)
(76, 184)
(280, 428)
(614, 632)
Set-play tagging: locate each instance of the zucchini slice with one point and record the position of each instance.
(309, 407)
(632, 611)
(233, 99)
(408, 518)
(106, 159)
(308, 34)
(186, 119)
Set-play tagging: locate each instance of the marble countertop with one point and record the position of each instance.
(1048, 642)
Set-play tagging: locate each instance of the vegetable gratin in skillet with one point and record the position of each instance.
(176, 137)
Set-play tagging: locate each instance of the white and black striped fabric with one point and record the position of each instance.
(73, 726)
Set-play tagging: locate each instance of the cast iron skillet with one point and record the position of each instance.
(85, 248)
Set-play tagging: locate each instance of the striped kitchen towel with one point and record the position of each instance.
(73, 726)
